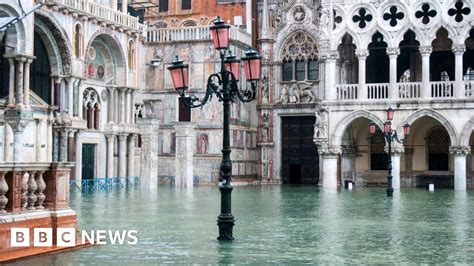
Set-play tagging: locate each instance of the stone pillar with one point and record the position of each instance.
(131, 155)
(149, 156)
(121, 110)
(331, 59)
(11, 83)
(19, 81)
(248, 15)
(425, 52)
(57, 94)
(50, 145)
(397, 151)
(132, 107)
(63, 145)
(38, 140)
(75, 98)
(459, 89)
(185, 137)
(110, 155)
(18, 119)
(110, 105)
(71, 144)
(460, 175)
(329, 157)
(393, 54)
(69, 96)
(55, 145)
(122, 154)
(8, 157)
(362, 56)
(347, 164)
(26, 83)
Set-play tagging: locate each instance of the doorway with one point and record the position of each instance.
(300, 159)
(88, 161)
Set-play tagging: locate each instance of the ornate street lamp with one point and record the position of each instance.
(224, 85)
(390, 136)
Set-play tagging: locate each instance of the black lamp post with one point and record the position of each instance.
(390, 136)
(224, 85)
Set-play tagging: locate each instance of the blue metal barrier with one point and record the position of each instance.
(104, 184)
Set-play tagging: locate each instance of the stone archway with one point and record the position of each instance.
(466, 133)
(338, 133)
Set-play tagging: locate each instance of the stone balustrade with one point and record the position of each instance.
(347, 91)
(442, 89)
(189, 34)
(469, 88)
(33, 186)
(100, 13)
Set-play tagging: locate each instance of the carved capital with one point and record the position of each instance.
(393, 51)
(348, 151)
(18, 119)
(329, 150)
(460, 150)
(426, 50)
(396, 149)
(459, 49)
(362, 53)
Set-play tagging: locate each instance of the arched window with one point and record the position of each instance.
(40, 78)
(77, 40)
(438, 142)
(91, 108)
(378, 157)
(131, 55)
(300, 58)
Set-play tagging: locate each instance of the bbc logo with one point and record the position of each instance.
(43, 237)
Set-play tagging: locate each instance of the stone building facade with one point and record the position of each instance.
(335, 66)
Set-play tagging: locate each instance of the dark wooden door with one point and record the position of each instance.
(300, 160)
(88, 161)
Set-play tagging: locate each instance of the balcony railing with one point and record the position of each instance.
(101, 13)
(377, 91)
(104, 184)
(442, 89)
(469, 86)
(409, 90)
(188, 34)
(347, 91)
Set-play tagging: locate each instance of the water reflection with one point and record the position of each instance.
(278, 224)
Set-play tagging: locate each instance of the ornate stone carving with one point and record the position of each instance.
(265, 125)
(3, 191)
(459, 49)
(329, 150)
(32, 187)
(393, 51)
(362, 53)
(303, 90)
(284, 95)
(321, 124)
(264, 88)
(300, 46)
(39, 193)
(426, 50)
(323, 23)
(299, 14)
(460, 150)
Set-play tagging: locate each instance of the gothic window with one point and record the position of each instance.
(77, 40)
(185, 4)
(459, 11)
(91, 108)
(161, 25)
(131, 55)
(300, 58)
(378, 157)
(426, 13)
(40, 69)
(438, 149)
(189, 23)
(163, 6)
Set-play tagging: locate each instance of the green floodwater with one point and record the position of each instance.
(277, 224)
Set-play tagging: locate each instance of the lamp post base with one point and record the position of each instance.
(225, 221)
(389, 192)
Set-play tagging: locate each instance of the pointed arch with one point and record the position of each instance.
(466, 133)
(435, 115)
(336, 137)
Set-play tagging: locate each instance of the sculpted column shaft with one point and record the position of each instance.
(330, 75)
(26, 83)
(63, 146)
(397, 151)
(329, 165)
(185, 137)
(393, 55)
(122, 155)
(459, 89)
(362, 56)
(425, 69)
(110, 155)
(11, 83)
(19, 81)
(149, 155)
(122, 105)
(131, 155)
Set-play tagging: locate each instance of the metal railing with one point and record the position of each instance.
(104, 184)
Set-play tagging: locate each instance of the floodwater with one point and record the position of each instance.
(277, 224)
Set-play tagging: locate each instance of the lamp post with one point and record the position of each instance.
(224, 85)
(390, 136)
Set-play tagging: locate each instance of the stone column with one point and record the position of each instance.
(110, 105)
(460, 153)
(64, 135)
(122, 105)
(38, 140)
(110, 155)
(329, 157)
(131, 155)
(397, 151)
(132, 106)
(19, 81)
(185, 137)
(122, 154)
(11, 83)
(459, 89)
(26, 83)
(75, 98)
(347, 164)
(8, 157)
(57, 94)
(248, 15)
(149, 156)
(362, 56)
(55, 145)
(50, 145)
(69, 95)
(393, 53)
(71, 144)
(425, 52)
(331, 59)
